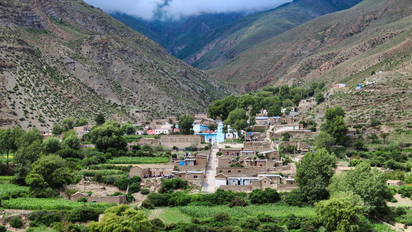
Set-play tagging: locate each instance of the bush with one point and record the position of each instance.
(134, 188)
(82, 199)
(269, 195)
(69, 192)
(157, 224)
(271, 227)
(144, 191)
(83, 214)
(220, 217)
(405, 190)
(97, 177)
(43, 218)
(238, 202)
(123, 182)
(294, 198)
(250, 223)
(147, 204)
(136, 179)
(219, 153)
(3, 228)
(16, 222)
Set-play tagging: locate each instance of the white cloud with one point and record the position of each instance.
(146, 8)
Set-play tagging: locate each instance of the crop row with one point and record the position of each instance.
(6, 189)
(48, 204)
(138, 160)
(252, 210)
(102, 172)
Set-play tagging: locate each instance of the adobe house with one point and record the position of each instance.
(272, 155)
(194, 177)
(149, 170)
(231, 151)
(247, 154)
(94, 199)
(181, 141)
(223, 161)
(257, 146)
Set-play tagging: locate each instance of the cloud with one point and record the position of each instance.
(175, 8)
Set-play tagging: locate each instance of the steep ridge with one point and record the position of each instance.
(175, 34)
(344, 46)
(63, 58)
(216, 47)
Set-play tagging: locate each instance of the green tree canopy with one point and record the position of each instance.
(52, 145)
(52, 169)
(9, 141)
(107, 135)
(324, 140)
(369, 184)
(335, 124)
(222, 107)
(71, 141)
(245, 101)
(128, 129)
(237, 120)
(121, 218)
(68, 123)
(57, 130)
(185, 124)
(342, 212)
(81, 122)
(313, 174)
(275, 109)
(99, 119)
(319, 98)
(24, 157)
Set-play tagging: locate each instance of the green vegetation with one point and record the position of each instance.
(47, 204)
(139, 160)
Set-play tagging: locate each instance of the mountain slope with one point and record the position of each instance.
(63, 58)
(214, 48)
(343, 46)
(174, 34)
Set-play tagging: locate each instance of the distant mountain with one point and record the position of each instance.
(62, 58)
(216, 47)
(345, 46)
(174, 34)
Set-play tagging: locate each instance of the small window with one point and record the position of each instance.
(239, 171)
(180, 175)
(265, 181)
(229, 171)
(195, 177)
(220, 171)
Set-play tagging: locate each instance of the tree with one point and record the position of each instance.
(185, 124)
(237, 120)
(71, 142)
(284, 91)
(106, 136)
(52, 145)
(335, 124)
(296, 99)
(252, 121)
(121, 218)
(128, 129)
(213, 127)
(288, 110)
(9, 141)
(275, 110)
(324, 140)
(384, 136)
(369, 184)
(245, 101)
(99, 119)
(57, 130)
(313, 174)
(81, 122)
(52, 169)
(68, 123)
(342, 212)
(24, 157)
(319, 98)
(222, 107)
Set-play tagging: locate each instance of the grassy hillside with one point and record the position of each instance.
(214, 48)
(340, 47)
(64, 58)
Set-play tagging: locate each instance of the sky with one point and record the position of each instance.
(175, 8)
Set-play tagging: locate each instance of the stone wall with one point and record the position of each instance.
(181, 141)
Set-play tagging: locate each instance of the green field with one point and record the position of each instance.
(139, 160)
(6, 189)
(47, 204)
(185, 213)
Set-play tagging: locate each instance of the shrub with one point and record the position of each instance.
(147, 204)
(269, 195)
(16, 222)
(405, 190)
(97, 177)
(250, 223)
(134, 188)
(144, 191)
(238, 202)
(70, 192)
(3, 228)
(82, 199)
(271, 227)
(136, 179)
(294, 198)
(122, 183)
(83, 214)
(220, 217)
(219, 153)
(265, 218)
(157, 224)
(43, 217)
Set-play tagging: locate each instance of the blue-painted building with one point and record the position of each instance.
(218, 136)
(198, 128)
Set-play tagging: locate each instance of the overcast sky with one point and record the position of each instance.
(146, 8)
